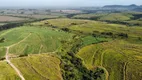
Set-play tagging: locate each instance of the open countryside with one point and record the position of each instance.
(71, 43)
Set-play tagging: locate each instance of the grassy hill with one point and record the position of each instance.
(86, 50)
(121, 59)
(117, 17)
(7, 73)
(33, 67)
(87, 26)
(127, 18)
(116, 56)
(105, 16)
(40, 40)
(39, 67)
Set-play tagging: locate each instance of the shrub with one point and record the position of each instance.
(107, 33)
(2, 40)
(65, 29)
(123, 35)
(73, 24)
(139, 38)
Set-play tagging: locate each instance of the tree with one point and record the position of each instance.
(2, 40)
(123, 35)
(65, 29)
(22, 12)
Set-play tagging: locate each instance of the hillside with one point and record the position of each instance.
(130, 18)
(120, 59)
(31, 68)
(28, 46)
(71, 49)
(39, 67)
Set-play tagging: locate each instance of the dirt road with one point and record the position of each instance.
(12, 65)
(8, 60)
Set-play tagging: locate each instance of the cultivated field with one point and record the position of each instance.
(9, 18)
(7, 73)
(128, 18)
(121, 59)
(89, 26)
(73, 49)
(39, 67)
(47, 40)
(31, 69)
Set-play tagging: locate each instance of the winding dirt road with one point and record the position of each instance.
(8, 60)
(12, 65)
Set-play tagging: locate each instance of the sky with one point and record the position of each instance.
(71, 3)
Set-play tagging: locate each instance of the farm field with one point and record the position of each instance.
(88, 26)
(7, 73)
(120, 59)
(35, 16)
(129, 18)
(72, 49)
(47, 40)
(9, 18)
(100, 51)
(106, 16)
(31, 67)
(21, 42)
(89, 16)
(70, 40)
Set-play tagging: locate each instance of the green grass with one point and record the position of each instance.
(39, 67)
(7, 73)
(33, 40)
(120, 58)
(88, 26)
(134, 22)
(41, 40)
(92, 40)
(89, 16)
(116, 17)
(106, 16)
(128, 18)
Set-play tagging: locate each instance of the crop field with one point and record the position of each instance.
(72, 49)
(135, 22)
(129, 18)
(7, 73)
(116, 17)
(43, 16)
(121, 59)
(9, 18)
(34, 16)
(28, 40)
(71, 40)
(89, 26)
(47, 40)
(87, 40)
(89, 16)
(105, 16)
(31, 67)
(115, 57)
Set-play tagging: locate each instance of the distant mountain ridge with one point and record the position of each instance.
(119, 6)
(132, 7)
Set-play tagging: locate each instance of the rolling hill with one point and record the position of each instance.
(121, 59)
(71, 49)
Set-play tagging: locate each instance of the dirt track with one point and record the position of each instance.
(8, 60)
